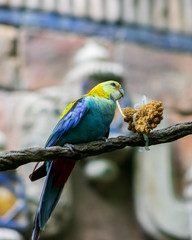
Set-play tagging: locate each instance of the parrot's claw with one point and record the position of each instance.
(104, 139)
(69, 146)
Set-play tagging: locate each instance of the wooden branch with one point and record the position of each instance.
(13, 159)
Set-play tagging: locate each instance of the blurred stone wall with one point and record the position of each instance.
(29, 61)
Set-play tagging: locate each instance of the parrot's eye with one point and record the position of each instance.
(113, 84)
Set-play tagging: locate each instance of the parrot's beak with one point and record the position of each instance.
(121, 92)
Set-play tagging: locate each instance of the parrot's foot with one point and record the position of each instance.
(69, 146)
(104, 139)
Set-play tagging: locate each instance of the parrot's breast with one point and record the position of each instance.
(95, 124)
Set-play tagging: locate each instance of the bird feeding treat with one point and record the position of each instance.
(145, 118)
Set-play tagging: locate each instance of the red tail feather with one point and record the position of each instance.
(62, 169)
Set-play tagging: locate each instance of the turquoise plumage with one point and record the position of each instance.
(84, 120)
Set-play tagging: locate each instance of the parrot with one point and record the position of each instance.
(84, 120)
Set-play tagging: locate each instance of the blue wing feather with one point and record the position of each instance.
(70, 120)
